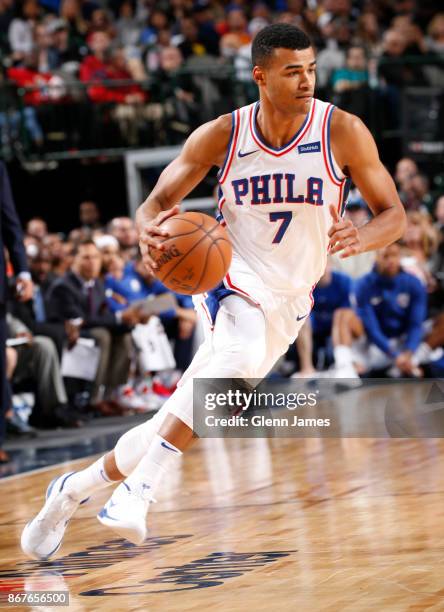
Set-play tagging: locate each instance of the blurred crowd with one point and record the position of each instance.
(131, 56)
(381, 313)
(88, 342)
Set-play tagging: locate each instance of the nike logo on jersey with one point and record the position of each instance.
(300, 317)
(165, 445)
(240, 154)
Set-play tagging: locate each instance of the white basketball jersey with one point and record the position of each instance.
(274, 203)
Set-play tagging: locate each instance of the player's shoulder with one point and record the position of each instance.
(210, 140)
(346, 125)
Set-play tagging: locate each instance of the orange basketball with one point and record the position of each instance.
(197, 254)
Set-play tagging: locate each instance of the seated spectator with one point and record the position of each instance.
(350, 84)
(368, 32)
(62, 263)
(109, 248)
(37, 228)
(79, 297)
(107, 65)
(33, 313)
(420, 243)
(130, 283)
(38, 361)
(124, 231)
(386, 328)
(354, 74)
(64, 52)
(332, 292)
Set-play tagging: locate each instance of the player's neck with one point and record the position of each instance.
(277, 128)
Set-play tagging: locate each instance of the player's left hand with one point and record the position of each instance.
(344, 236)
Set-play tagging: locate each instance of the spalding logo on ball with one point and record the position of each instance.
(197, 253)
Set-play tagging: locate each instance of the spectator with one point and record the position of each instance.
(38, 361)
(157, 21)
(124, 231)
(101, 22)
(64, 52)
(331, 293)
(128, 29)
(368, 32)
(89, 215)
(107, 65)
(435, 32)
(70, 11)
(133, 284)
(62, 263)
(37, 228)
(190, 45)
(387, 327)
(406, 168)
(109, 248)
(21, 30)
(33, 313)
(237, 35)
(392, 69)
(79, 297)
(420, 243)
(414, 192)
(204, 20)
(354, 75)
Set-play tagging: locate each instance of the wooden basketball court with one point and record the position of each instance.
(263, 524)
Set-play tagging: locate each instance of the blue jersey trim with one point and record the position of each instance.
(214, 298)
(291, 141)
(330, 158)
(227, 155)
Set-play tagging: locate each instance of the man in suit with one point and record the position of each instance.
(34, 312)
(79, 297)
(11, 237)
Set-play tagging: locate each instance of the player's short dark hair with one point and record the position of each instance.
(277, 36)
(82, 243)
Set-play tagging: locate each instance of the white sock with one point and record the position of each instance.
(154, 465)
(84, 483)
(343, 356)
(422, 354)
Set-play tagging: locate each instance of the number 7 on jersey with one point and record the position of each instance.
(284, 216)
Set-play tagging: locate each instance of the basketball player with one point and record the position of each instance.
(285, 164)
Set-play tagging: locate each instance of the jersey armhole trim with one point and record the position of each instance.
(326, 148)
(223, 172)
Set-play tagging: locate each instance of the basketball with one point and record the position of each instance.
(197, 254)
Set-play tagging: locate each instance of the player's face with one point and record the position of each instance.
(288, 80)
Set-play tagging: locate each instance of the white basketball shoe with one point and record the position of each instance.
(126, 510)
(43, 535)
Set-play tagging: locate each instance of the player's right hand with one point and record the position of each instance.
(149, 237)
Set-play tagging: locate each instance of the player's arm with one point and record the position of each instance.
(206, 147)
(357, 154)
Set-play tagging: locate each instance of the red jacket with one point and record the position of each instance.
(93, 69)
(26, 77)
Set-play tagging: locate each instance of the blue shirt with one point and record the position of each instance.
(390, 307)
(327, 298)
(132, 286)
